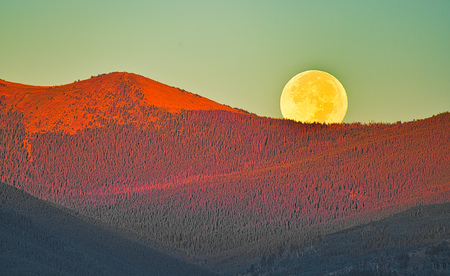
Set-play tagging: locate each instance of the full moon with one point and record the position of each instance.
(314, 97)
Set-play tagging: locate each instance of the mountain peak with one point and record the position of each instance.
(120, 97)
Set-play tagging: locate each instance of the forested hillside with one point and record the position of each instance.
(226, 187)
(39, 238)
(414, 242)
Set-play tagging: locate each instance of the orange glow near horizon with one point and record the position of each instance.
(115, 96)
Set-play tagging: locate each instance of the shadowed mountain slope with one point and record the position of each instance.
(109, 98)
(38, 238)
(413, 242)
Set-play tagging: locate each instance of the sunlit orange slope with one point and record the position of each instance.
(116, 97)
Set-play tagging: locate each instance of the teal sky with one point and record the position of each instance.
(393, 57)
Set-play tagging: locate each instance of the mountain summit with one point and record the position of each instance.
(117, 97)
(220, 188)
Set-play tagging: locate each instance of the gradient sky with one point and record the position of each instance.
(393, 57)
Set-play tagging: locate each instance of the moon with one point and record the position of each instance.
(314, 97)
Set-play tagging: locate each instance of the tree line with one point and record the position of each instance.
(207, 182)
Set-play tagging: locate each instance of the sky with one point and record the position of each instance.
(392, 57)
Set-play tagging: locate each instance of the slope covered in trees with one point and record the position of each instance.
(38, 238)
(226, 187)
(414, 242)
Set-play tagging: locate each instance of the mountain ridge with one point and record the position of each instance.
(117, 97)
(221, 187)
(69, 243)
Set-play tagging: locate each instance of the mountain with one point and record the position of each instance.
(417, 240)
(221, 186)
(116, 97)
(39, 238)
(413, 242)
